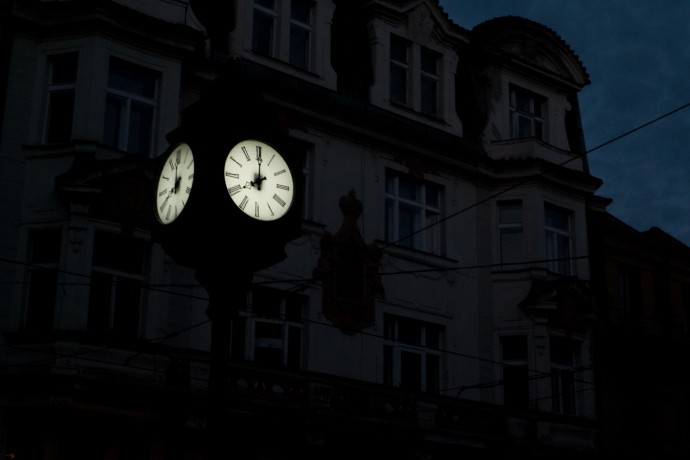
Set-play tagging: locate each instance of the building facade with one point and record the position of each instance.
(434, 299)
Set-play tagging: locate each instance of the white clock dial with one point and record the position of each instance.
(259, 180)
(175, 181)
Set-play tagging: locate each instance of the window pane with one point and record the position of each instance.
(398, 84)
(511, 245)
(119, 252)
(408, 224)
(410, 371)
(433, 372)
(516, 387)
(514, 348)
(510, 212)
(114, 110)
(301, 11)
(556, 217)
(429, 96)
(132, 78)
(409, 332)
(294, 348)
(60, 113)
(262, 34)
(63, 68)
(398, 49)
(45, 245)
(140, 128)
(430, 61)
(299, 46)
(561, 351)
(409, 189)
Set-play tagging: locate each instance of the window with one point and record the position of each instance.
(61, 89)
(270, 332)
(515, 371)
(413, 212)
(510, 231)
(271, 28)
(414, 82)
(130, 107)
(117, 276)
(412, 358)
(44, 256)
(558, 239)
(562, 353)
(526, 119)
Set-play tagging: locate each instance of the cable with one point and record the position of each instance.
(546, 170)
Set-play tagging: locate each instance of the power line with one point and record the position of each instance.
(530, 178)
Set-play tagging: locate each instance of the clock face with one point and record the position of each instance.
(174, 183)
(259, 180)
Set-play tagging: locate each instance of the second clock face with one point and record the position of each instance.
(175, 181)
(259, 180)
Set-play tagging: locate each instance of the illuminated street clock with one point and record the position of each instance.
(174, 183)
(259, 180)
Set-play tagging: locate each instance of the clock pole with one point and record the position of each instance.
(225, 300)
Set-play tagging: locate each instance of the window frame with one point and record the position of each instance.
(408, 78)
(394, 348)
(281, 39)
(534, 115)
(516, 227)
(564, 389)
(432, 242)
(516, 388)
(293, 329)
(557, 262)
(120, 278)
(54, 88)
(129, 99)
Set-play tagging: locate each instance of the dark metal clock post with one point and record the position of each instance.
(237, 207)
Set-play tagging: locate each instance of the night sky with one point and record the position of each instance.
(637, 54)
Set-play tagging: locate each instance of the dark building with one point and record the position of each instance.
(429, 274)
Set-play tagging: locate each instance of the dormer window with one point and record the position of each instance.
(414, 76)
(281, 33)
(526, 114)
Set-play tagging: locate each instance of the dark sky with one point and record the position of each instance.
(637, 54)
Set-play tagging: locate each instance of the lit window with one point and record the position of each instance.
(562, 353)
(413, 210)
(61, 90)
(526, 119)
(130, 107)
(412, 358)
(116, 285)
(558, 239)
(510, 231)
(44, 256)
(269, 332)
(515, 371)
